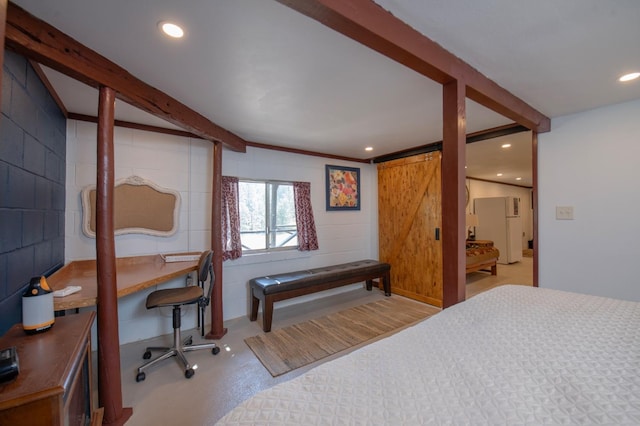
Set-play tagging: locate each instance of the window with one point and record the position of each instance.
(267, 215)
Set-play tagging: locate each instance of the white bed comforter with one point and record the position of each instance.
(512, 355)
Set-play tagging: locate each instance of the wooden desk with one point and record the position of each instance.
(133, 274)
(54, 383)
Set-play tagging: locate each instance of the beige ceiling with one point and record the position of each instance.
(271, 75)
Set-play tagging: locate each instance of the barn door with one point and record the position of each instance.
(409, 221)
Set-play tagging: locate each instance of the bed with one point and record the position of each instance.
(481, 255)
(511, 355)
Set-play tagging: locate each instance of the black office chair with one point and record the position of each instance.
(178, 297)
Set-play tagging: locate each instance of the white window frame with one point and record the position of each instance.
(271, 228)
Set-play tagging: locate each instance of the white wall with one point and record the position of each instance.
(482, 189)
(173, 162)
(184, 165)
(343, 236)
(590, 161)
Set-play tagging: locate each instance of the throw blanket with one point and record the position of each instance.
(512, 355)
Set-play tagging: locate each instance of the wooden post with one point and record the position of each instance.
(534, 206)
(217, 322)
(109, 383)
(453, 193)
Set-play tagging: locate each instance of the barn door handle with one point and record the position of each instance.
(437, 234)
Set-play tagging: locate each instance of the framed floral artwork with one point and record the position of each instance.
(343, 188)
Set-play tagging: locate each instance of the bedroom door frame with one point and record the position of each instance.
(534, 197)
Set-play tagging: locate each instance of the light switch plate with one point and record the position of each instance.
(564, 212)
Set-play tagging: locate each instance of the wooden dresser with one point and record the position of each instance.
(54, 385)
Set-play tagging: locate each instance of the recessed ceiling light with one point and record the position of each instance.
(630, 76)
(369, 148)
(499, 174)
(518, 178)
(506, 145)
(171, 29)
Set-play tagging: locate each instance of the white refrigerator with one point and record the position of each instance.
(499, 221)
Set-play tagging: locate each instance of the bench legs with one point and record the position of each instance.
(255, 302)
(267, 314)
(267, 310)
(386, 284)
(267, 301)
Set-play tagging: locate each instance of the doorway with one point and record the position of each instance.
(503, 167)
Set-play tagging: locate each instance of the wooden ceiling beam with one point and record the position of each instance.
(43, 43)
(366, 22)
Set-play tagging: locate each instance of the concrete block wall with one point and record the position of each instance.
(174, 162)
(32, 184)
(184, 164)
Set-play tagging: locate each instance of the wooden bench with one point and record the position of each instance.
(274, 288)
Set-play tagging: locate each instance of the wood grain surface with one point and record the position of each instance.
(288, 348)
(409, 212)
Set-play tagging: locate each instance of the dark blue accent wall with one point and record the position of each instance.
(32, 184)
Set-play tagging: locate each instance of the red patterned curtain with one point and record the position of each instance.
(307, 237)
(231, 245)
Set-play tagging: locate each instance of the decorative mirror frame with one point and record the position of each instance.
(134, 181)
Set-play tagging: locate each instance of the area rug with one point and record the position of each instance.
(288, 348)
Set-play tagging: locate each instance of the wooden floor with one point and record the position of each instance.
(224, 380)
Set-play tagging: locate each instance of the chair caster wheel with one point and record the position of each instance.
(188, 341)
(215, 351)
(189, 373)
(146, 355)
(140, 377)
